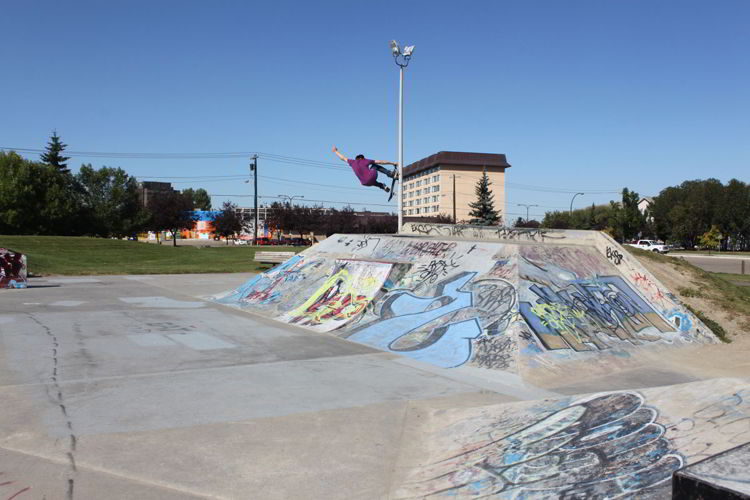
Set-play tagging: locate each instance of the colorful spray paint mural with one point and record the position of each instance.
(569, 302)
(612, 445)
(452, 303)
(342, 296)
(13, 273)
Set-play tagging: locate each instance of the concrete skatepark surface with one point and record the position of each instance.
(138, 387)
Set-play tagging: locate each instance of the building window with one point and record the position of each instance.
(416, 211)
(418, 192)
(435, 208)
(410, 211)
(418, 202)
(434, 198)
(435, 189)
(435, 178)
(411, 203)
(419, 183)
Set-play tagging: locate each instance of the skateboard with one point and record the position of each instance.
(393, 185)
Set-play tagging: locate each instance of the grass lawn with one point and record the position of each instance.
(71, 255)
(735, 278)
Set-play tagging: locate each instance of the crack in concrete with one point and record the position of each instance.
(60, 401)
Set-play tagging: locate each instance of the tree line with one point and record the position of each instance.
(45, 198)
(689, 215)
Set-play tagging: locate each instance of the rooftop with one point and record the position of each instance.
(457, 158)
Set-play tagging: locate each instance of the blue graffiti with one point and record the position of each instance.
(285, 271)
(448, 346)
(680, 320)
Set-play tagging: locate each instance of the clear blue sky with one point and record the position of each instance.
(580, 95)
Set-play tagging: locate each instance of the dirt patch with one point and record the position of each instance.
(714, 297)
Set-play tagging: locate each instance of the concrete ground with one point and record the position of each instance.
(134, 387)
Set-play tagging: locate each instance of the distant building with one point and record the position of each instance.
(645, 203)
(444, 183)
(148, 189)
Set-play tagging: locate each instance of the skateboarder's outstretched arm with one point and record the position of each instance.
(343, 158)
(384, 162)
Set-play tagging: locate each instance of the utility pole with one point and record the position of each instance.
(454, 200)
(254, 169)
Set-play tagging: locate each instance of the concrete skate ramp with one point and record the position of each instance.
(500, 298)
(621, 444)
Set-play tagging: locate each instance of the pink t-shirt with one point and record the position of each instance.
(366, 175)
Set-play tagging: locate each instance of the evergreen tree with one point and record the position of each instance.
(483, 210)
(54, 156)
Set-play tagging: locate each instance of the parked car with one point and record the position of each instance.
(650, 245)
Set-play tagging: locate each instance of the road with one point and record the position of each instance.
(717, 263)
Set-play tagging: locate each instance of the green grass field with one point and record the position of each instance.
(68, 255)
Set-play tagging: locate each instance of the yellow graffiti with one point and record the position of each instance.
(329, 284)
(559, 317)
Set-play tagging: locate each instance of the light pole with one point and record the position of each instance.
(571, 202)
(405, 56)
(527, 209)
(290, 198)
(254, 169)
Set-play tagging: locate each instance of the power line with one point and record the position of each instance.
(306, 199)
(291, 160)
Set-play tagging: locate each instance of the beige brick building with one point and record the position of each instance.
(444, 183)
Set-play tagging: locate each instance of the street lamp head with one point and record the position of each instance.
(408, 50)
(395, 50)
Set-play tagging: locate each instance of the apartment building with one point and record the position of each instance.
(444, 183)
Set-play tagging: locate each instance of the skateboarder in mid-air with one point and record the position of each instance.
(367, 170)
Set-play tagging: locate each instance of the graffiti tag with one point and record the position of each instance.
(614, 255)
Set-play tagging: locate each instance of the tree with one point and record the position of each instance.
(200, 197)
(710, 239)
(229, 221)
(521, 222)
(171, 211)
(632, 220)
(340, 221)
(110, 201)
(442, 218)
(53, 155)
(483, 210)
(36, 198)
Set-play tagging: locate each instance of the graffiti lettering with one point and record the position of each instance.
(493, 295)
(433, 248)
(429, 273)
(343, 295)
(605, 446)
(479, 232)
(571, 317)
(614, 255)
(652, 292)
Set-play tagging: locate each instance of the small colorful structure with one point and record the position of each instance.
(12, 269)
